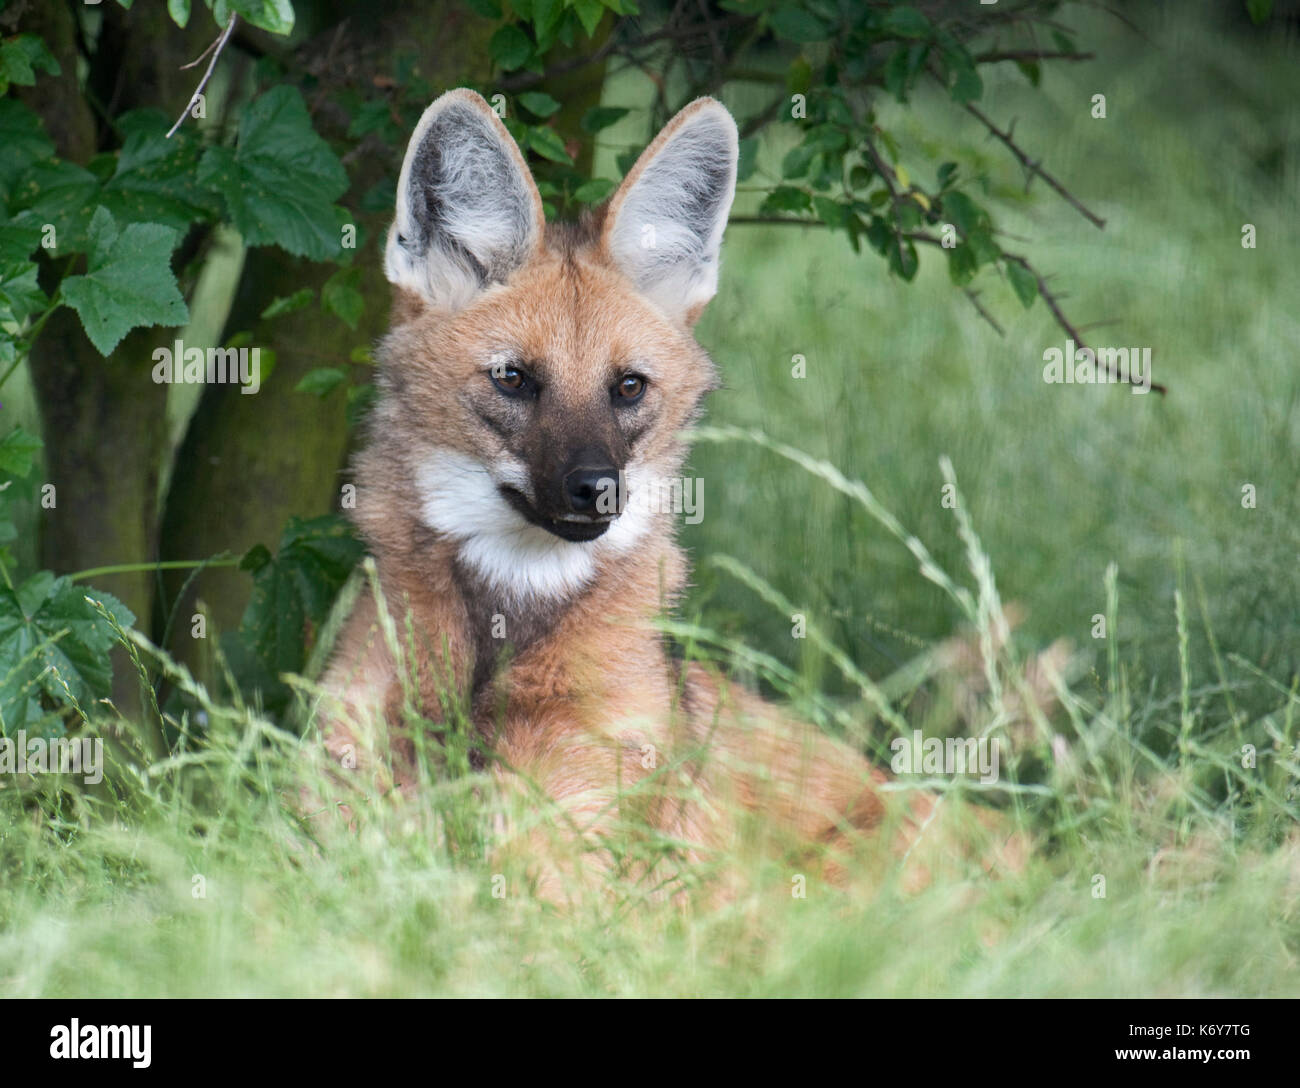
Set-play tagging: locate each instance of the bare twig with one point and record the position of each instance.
(1053, 304)
(773, 221)
(215, 48)
(974, 297)
(199, 59)
(1029, 54)
(1033, 167)
(1050, 298)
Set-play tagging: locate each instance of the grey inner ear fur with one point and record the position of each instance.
(461, 171)
(702, 189)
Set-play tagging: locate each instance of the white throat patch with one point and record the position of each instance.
(459, 496)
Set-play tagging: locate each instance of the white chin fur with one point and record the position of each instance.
(459, 497)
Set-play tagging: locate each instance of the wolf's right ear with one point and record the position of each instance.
(468, 212)
(664, 225)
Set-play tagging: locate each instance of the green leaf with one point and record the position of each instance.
(510, 47)
(594, 191)
(21, 57)
(322, 381)
(280, 182)
(897, 72)
(962, 265)
(360, 400)
(54, 643)
(17, 451)
(797, 24)
(374, 116)
(1259, 10)
(179, 10)
(20, 295)
(785, 198)
(796, 160)
(902, 258)
(62, 194)
(748, 158)
(546, 18)
(296, 588)
(829, 212)
(155, 179)
(128, 281)
(908, 214)
(967, 86)
(1063, 42)
(968, 217)
(1023, 282)
(600, 117)
(289, 304)
(547, 143)
(905, 22)
(1031, 70)
(590, 13)
(23, 139)
(538, 104)
(275, 16)
(255, 558)
(798, 77)
(341, 297)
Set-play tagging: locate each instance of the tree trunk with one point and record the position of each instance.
(103, 420)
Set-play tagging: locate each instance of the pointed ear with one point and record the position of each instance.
(468, 213)
(664, 225)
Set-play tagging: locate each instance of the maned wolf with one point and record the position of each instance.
(532, 393)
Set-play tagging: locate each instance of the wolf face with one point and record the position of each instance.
(539, 375)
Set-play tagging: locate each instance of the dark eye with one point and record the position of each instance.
(510, 380)
(631, 387)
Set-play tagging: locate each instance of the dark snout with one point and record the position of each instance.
(579, 497)
(594, 492)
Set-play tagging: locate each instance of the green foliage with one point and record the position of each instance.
(54, 647)
(292, 594)
(16, 452)
(1259, 10)
(21, 57)
(275, 16)
(128, 281)
(155, 179)
(322, 381)
(341, 296)
(262, 179)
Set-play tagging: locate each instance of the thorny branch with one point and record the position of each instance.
(1033, 167)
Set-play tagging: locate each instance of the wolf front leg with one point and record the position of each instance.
(360, 695)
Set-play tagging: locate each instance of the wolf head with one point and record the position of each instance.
(539, 375)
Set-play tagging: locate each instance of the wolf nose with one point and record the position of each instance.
(593, 491)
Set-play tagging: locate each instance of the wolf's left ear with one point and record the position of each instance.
(468, 213)
(664, 226)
